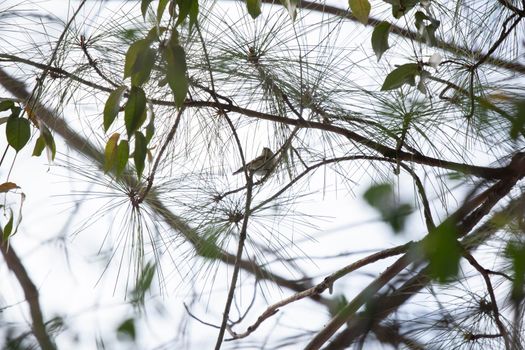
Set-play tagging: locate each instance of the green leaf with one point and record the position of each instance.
(401, 7)
(135, 111)
(404, 74)
(40, 145)
(139, 61)
(518, 122)
(360, 10)
(18, 132)
(49, 141)
(5, 105)
(110, 152)
(160, 9)
(194, 12)
(139, 156)
(150, 128)
(8, 228)
(122, 157)
(380, 39)
(515, 252)
(376, 196)
(145, 61)
(144, 7)
(112, 106)
(443, 251)
(254, 8)
(176, 74)
(126, 330)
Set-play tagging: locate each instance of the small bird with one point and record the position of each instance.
(260, 165)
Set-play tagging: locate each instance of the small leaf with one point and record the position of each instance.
(8, 186)
(135, 111)
(176, 74)
(254, 8)
(126, 330)
(518, 122)
(380, 39)
(112, 106)
(40, 145)
(5, 105)
(515, 252)
(377, 196)
(291, 6)
(134, 56)
(443, 251)
(18, 132)
(160, 9)
(360, 10)
(143, 66)
(139, 156)
(8, 228)
(122, 157)
(150, 128)
(194, 12)
(144, 7)
(49, 141)
(110, 152)
(401, 75)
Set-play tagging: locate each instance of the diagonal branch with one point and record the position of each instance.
(14, 264)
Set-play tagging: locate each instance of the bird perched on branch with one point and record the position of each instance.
(260, 165)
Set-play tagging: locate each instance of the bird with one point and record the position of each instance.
(260, 165)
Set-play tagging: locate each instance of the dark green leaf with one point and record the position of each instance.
(5, 105)
(194, 12)
(139, 156)
(18, 132)
(515, 252)
(380, 39)
(420, 17)
(122, 157)
(110, 152)
(401, 75)
(8, 228)
(143, 66)
(15, 111)
(430, 34)
(377, 195)
(176, 74)
(160, 9)
(135, 111)
(254, 8)
(137, 54)
(360, 10)
(144, 7)
(126, 330)
(396, 218)
(518, 122)
(184, 10)
(443, 251)
(150, 128)
(112, 106)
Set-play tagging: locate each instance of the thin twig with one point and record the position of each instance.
(493, 301)
(327, 283)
